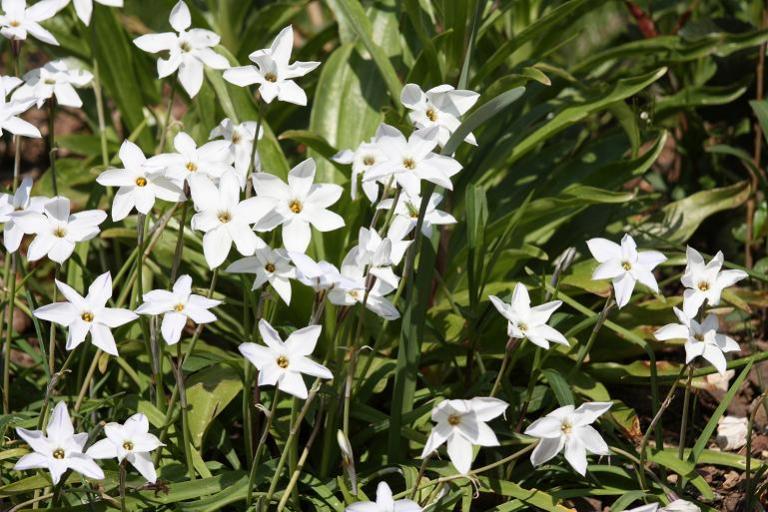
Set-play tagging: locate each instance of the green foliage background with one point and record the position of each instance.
(586, 127)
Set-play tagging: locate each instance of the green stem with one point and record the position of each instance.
(686, 407)
(748, 469)
(10, 307)
(254, 150)
(511, 345)
(52, 142)
(587, 348)
(260, 447)
(654, 422)
(289, 490)
(167, 122)
(186, 438)
(122, 486)
(289, 442)
(100, 114)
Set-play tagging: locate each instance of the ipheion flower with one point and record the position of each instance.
(384, 503)
(569, 428)
(705, 282)
(282, 363)
(58, 449)
(462, 424)
(89, 314)
(274, 72)
(177, 306)
(139, 183)
(130, 441)
(54, 79)
(625, 266)
(529, 322)
(440, 106)
(189, 50)
(14, 205)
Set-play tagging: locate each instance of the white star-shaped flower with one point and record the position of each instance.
(18, 20)
(190, 50)
(406, 214)
(569, 428)
(705, 282)
(84, 8)
(441, 106)
(353, 287)
(10, 111)
(56, 231)
(269, 265)
(54, 78)
(384, 503)
(58, 449)
(298, 204)
(379, 255)
(529, 322)
(273, 71)
(240, 138)
(363, 158)
(282, 364)
(89, 314)
(701, 339)
(224, 218)
(130, 441)
(624, 265)
(212, 159)
(463, 424)
(321, 276)
(140, 184)
(17, 204)
(176, 307)
(411, 160)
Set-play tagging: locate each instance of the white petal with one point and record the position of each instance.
(180, 17)
(576, 454)
(623, 286)
(592, 440)
(460, 452)
(603, 250)
(172, 327)
(142, 461)
(191, 76)
(102, 449)
(293, 384)
(102, 337)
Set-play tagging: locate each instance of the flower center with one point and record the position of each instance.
(87, 316)
(368, 160)
(49, 81)
(58, 453)
(698, 337)
(522, 326)
(566, 428)
(454, 419)
(704, 286)
(413, 211)
(409, 164)
(269, 267)
(178, 307)
(295, 206)
(141, 182)
(15, 23)
(225, 217)
(354, 294)
(282, 362)
(626, 265)
(270, 77)
(128, 446)
(191, 166)
(236, 138)
(60, 232)
(185, 47)
(431, 114)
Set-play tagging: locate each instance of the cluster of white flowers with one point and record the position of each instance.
(213, 178)
(703, 282)
(59, 449)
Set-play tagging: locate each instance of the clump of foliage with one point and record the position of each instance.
(383, 255)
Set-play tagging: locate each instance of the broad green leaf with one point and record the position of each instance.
(208, 393)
